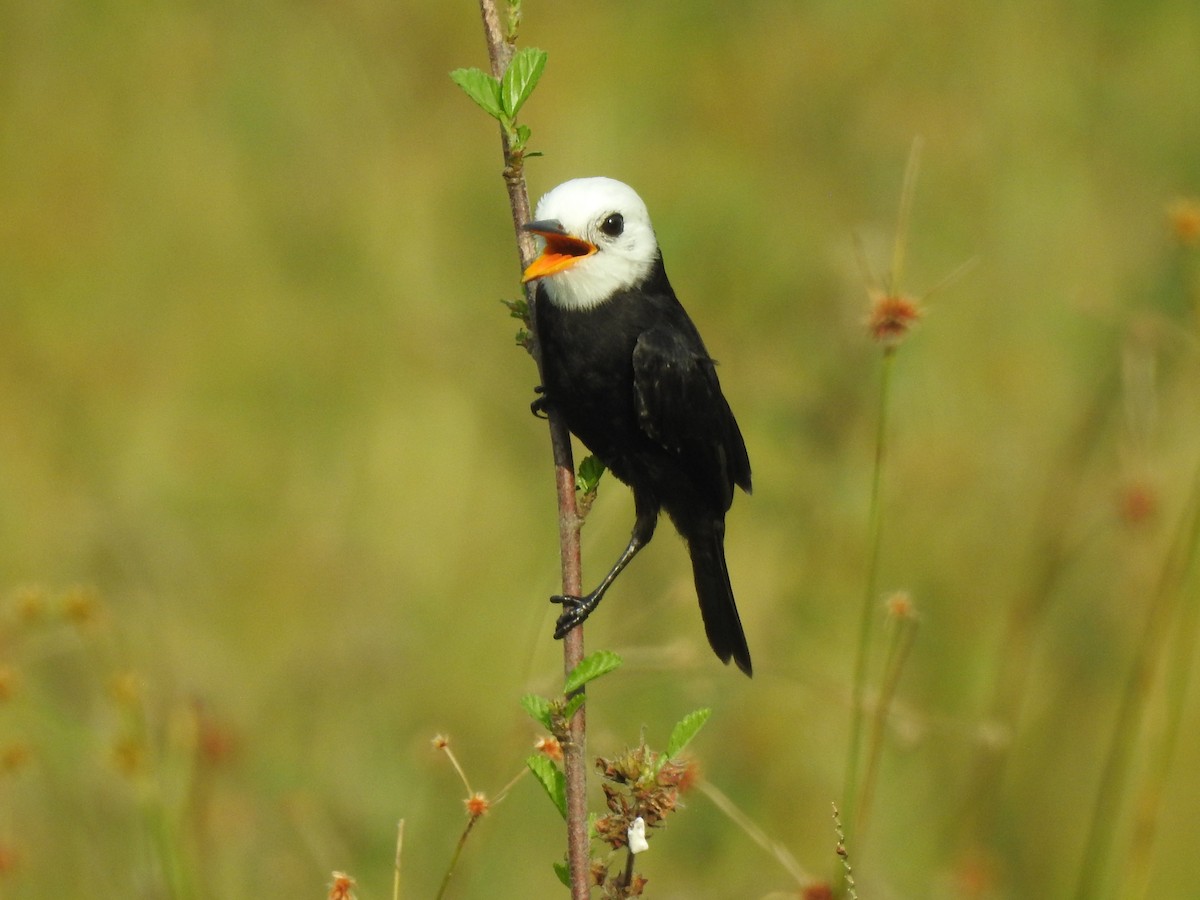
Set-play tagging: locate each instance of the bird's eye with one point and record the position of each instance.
(613, 225)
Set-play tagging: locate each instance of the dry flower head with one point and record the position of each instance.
(342, 887)
(1184, 216)
(891, 317)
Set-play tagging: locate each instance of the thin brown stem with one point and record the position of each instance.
(500, 51)
(458, 848)
(627, 876)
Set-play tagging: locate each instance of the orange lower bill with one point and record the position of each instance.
(561, 252)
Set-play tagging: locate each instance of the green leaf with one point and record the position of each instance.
(523, 133)
(520, 78)
(518, 309)
(539, 709)
(590, 668)
(563, 871)
(588, 477)
(482, 88)
(552, 779)
(682, 734)
(573, 705)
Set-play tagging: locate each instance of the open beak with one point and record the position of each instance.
(561, 251)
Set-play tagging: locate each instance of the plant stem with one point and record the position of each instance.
(1179, 577)
(978, 817)
(458, 848)
(908, 191)
(850, 801)
(781, 853)
(399, 853)
(1127, 729)
(500, 50)
(627, 876)
(904, 631)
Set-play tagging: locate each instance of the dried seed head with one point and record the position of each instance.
(440, 742)
(1184, 216)
(477, 804)
(129, 756)
(599, 872)
(125, 689)
(549, 746)
(81, 605)
(900, 606)
(1138, 503)
(8, 859)
(216, 740)
(891, 317)
(689, 777)
(31, 604)
(341, 888)
(8, 682)
(15, 757)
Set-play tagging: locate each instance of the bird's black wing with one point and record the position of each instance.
(681, 408)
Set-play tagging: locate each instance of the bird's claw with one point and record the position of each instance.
(541, 405)
(575, 610)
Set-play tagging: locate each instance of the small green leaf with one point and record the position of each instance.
(482, 88)
(538, 709)
(563, 871)
(514, 21)
(523, 133)
(520, 78)
(590, 668)
(588, 477)
(573, 705)
(518, 309)
(551, 779)
(682, 734)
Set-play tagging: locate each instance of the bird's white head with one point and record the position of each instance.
(598, 240)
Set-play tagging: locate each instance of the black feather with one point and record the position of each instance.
(635, 383)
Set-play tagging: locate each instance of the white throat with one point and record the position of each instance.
(586, 285)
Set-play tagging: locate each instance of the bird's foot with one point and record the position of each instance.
(575, 610)
(541, 405)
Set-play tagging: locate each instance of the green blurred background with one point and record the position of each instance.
(273, 511)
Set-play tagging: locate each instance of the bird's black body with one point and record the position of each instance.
(634, 382)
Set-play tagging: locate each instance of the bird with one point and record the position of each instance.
(624, 365)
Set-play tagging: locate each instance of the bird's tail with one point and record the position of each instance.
(717, 606)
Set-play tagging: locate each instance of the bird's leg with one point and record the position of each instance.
(576, 609)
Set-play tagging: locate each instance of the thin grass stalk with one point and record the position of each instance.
(399, 856)
(904, 632)
(781, 853)
(500, 41)
(1025, 616)
(167, 844)
(1179, 665)
(908, 192)
(850, 798)
(458, 849)
(1114, 778)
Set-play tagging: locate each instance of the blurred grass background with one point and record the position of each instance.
(273, 511)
